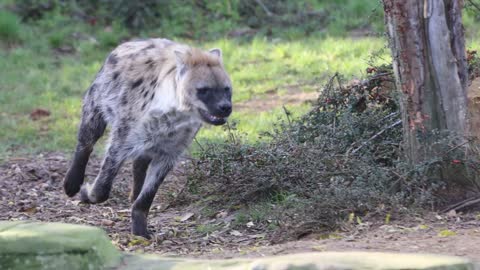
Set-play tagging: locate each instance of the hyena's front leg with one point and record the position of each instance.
(99, 190)
(91, 129)
(158, 169)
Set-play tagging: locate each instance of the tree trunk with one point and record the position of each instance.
(429, 61)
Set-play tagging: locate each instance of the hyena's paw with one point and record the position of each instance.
(88, 194)
(71, 184)
(139, 224)
(142, 232)
(84, 194)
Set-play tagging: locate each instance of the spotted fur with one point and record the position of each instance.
(154, 94)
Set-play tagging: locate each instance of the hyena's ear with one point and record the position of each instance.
(217, 52)
(180, 58)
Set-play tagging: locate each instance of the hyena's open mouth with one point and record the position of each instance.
(212, 119)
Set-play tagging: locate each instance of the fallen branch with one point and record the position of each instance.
(462, 204)
(398, 122)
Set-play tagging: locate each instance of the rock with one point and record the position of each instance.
(311, 261)
(36, 245)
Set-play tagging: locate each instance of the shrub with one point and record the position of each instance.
(58, 39)
(343, 158)
(10, 28)
(195, 18)
(112, 37)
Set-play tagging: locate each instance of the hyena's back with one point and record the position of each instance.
(125, 86)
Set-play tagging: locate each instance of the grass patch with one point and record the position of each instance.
(59, 58)
(259, 68)
(10, 27)
(207, 228)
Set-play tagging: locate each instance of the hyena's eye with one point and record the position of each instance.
(227, 89)
(203, 90)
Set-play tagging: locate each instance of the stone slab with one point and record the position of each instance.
(36, 245)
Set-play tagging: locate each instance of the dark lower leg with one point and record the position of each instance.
(91, 129)
(155, 175)
(100, 189)
(140, 166)
(75, 175)
(140, 210)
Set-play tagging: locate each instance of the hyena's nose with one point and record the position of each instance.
(225, 108)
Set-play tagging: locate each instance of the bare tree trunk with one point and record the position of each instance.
(428, 49)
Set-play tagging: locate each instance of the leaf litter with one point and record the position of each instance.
(31, 189)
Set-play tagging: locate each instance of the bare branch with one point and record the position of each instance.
(398, 122)
(462, 204)
(265, 8)
(473, 4)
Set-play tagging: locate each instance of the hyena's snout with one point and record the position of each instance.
(224, 108)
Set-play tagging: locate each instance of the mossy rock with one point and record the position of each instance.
(307, 261)
(35, 245)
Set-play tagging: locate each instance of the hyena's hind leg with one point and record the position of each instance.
(99, 190)
(92, 127)
(140, 166)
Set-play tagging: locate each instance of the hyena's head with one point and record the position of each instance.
(203, 84)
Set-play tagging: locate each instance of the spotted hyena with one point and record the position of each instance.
(154, 94)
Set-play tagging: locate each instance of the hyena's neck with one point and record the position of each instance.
(166, 98)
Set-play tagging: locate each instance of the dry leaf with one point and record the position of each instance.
(107, 222)
(186, 217)
(236, 233)
(221, 214)
(452, 213)
(39, 113)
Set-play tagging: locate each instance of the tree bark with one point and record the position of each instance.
(429, 61)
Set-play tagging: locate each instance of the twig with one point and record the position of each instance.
(462, 204)
(477, 7)
(398, 122)
(199, 145)
(379, 75)
(287, 114)
(389, 116)
(259, 2)
(456, 147)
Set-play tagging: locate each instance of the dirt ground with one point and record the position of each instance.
(31, 189)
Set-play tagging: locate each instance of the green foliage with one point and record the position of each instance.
(10, 27)
(57, 39)
(64, 44)
(58, 83)
(111, 37)
(473, 64)
(34, 9)
(201, 19)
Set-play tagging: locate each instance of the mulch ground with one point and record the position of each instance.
(31, 189)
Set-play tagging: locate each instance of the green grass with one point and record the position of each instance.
(35, 75)
(10, 30)
(42, 80)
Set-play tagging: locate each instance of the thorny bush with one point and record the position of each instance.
(343, 158)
